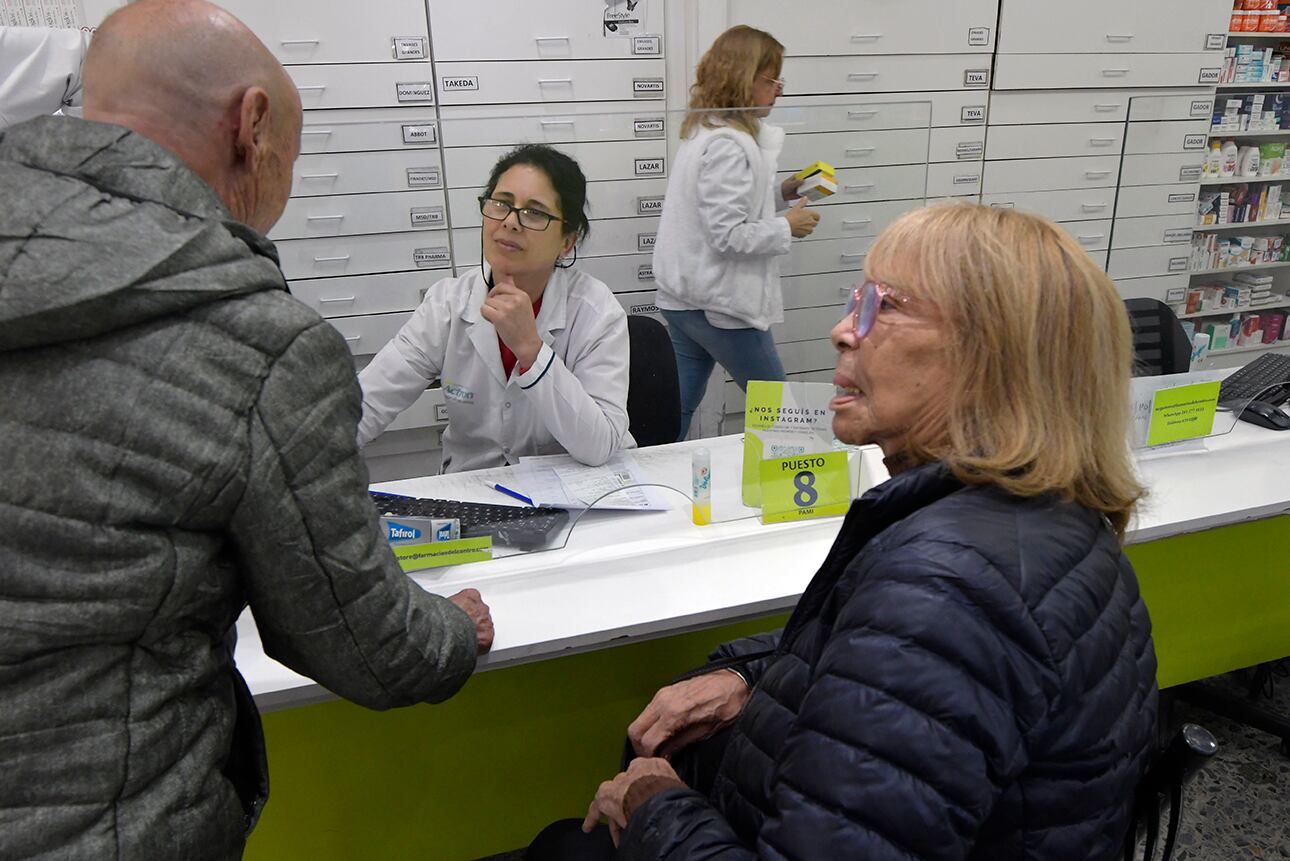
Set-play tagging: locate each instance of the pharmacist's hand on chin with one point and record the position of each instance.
(510, 311)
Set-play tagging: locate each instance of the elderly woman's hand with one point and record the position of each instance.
(688, 711)
(618, 799)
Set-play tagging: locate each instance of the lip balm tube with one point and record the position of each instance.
(701, 487)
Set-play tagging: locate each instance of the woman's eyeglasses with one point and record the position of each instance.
(529, 219)
(865, 302)
(780, 83)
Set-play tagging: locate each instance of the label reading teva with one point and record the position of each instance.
(1216, 41)
(1189, 173)
(1197, 141)
(1182, 198)
(976, 77)
(645, 272)
(649, 205)
(409, 49)
(1202, 107)
(1177, 235)
(645, 241)
(978, 37)
(969, 149)
(456, 85)
(429, 258)
(647, 46)
(1177, 264)
(649, 166)
(418, 91)
(651, 127)
(644, 87)
(424, 177)
(972, 114)
(427, 216)
(419, 134)
(1209, 76)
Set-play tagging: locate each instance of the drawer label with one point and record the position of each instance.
(645, 272)
(1182, 198)
(645, 241)
(647, 46)
(420, 134)
(646, 308)
(1189, 173)
(1177, 264)
(967, 179)
(1216, 41)
(972, 114)
(1176, 294)
(1177, 235)
(969, 149)
(441, 412)
(649, 167)
(459, 84)
(427, 216)
(644, 88)
(652, 127)
(429, 258)
(1209, 76)
(409, 49)
(419, 91)
(424, 177)
(649, 205)
(1195, 141)
(978, 37)
(976, 77)
(1202, 107)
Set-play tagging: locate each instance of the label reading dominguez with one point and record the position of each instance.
(796, 488)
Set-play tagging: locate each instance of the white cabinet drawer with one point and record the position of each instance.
(1075, 205)
(814, 256)
(1162, 287)
(855, 149)
(860, 219)
(644, 302)
(1161, 168)
(624, 198)
(1153, 260)
(1140, 201)
(1153, 230)
(1198, 105)
(963, 143)
(880, 111)
(371, 85)
(354, 214)
(490, 83)
(369, 129)
(427, 411)
(1079, 106)
(1078, 71)
(467, 167)
(860, 184)
(625, 273)
(609, 236)
(364, 294)
(954, 180)
(1167, 137)
(360, 172)
(556, 30)
(490, 125)
(829, 27)
(816, 354)
(1049, 174)
(887, 74)
(366, 335)
(829, 289)
(806, 324)
(363, 255)
(296, 31)
(1110, 26)
(1056, 140)
(1091, 235)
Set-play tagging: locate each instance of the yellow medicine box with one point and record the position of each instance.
(816, 167)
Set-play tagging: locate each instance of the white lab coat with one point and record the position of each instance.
(40, 71)
(573, 399)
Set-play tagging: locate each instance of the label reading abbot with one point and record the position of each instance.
(419, 134)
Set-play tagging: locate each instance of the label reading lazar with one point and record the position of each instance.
(976, 78)
(645, 241)
(419, 134)
(649, 166)
(429, 258)
(645, 272)
(978, 37)
(652, 127)
(645, 87)
(1177, 235)
(427, 216)
(419, 91)
(647, 46)
(410, 49)
(972, 114)
(424, 177)
(649, 205)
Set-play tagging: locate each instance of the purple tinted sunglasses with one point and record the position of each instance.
(864, 303)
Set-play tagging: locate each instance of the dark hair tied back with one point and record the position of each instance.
(566, 178)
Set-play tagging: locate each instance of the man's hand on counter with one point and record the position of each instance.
(470, 601)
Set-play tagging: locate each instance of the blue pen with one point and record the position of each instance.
(514, 494)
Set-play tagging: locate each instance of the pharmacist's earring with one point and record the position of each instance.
(562, 263)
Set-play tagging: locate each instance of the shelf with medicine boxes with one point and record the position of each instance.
(1258, 36)
(1253, 85)
(1253, 348)
(1278, 306)
(1245, 267)
(1222, 228)
(1216, 134)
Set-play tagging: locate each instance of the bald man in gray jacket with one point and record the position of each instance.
(178, 443)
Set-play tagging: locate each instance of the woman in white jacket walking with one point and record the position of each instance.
(722, 231)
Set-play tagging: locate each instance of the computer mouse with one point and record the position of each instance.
(1265, 415)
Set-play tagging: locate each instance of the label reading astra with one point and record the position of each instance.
(645, 272)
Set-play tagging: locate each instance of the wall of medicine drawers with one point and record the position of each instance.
(1088, 113)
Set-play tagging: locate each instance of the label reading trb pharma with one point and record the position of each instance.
(430, 258)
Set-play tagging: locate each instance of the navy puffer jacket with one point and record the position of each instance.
(969, 675)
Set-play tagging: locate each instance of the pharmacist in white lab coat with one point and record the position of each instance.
(515, 383)
(40, 71)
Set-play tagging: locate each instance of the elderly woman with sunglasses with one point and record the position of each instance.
(970, 673)
(532, 356)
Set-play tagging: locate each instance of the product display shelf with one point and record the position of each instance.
(1252, 348)
(1250, 133)
(1220, 270)
(1254, 85)
(1278, 35)
(1237, 225)
(1219, 312)
(1232, 180)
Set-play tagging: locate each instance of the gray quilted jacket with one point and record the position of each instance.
(176, 441)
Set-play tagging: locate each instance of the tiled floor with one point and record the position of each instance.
(1239, 806)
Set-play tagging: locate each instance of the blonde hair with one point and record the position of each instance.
(723, 80)
(1039, 352)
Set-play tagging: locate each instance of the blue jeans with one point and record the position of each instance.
(746, 354)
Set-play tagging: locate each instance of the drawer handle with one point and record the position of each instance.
(298, 42)
(312, 87)
(319, 175)
(855, 255)
(352, 338)
(847, 221)
(337, 299)
(315, 132)
(1120, 37)
(864, 186)
(865, 37)
(556, 122)
(1114, 73)
(859, 150)
(1091, 237)
(550, 38)
(542, 82)
(1093, 207)
(1096, 174)
(1101, 141)
(1107, 107)
(324, 218)
(860, 115)
(340, 259)
(861, 76)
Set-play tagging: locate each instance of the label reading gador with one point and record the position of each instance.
(1202, 108)
(1209, 76)
(1196, 141)
(417, 91)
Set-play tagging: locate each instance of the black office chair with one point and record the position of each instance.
(1188, 752)
(653, 392)
(1160, 345)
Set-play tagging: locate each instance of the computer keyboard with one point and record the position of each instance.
(514, 526)
(1255, 379)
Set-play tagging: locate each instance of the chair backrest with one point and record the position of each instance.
(653, 392)
(1160, 344)
(1188, 752)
